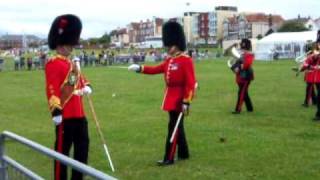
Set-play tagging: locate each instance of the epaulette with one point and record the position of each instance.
(50, 60)
(185, 55)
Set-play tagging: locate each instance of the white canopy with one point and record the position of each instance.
(283, 45)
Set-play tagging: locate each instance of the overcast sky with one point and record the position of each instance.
(99, 16)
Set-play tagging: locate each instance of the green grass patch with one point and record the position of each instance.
(277, 141)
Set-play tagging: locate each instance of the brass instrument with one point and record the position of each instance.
(300, 60)
(236, 61)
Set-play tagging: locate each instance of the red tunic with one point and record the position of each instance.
(180, 80)
(312, 63)
(309, 76)
(59, 71)
(248, 59)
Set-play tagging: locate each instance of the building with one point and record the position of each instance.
(223, 12)
(19, 41)
(120, 37)
(133, 30)
(204, 28)
(317, 21)
(188, 25)
(307, 22)
(149, 28)
(253, 25)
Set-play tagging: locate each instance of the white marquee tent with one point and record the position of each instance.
(283, 45)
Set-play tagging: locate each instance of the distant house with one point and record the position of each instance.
(119, 37)
(317, 22)
(204, 28)
(133, 30)
(308, 23)
(250, 25)
(150, 28)
(19, 41)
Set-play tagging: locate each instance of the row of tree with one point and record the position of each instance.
(104, 40)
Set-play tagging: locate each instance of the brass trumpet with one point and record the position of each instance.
(236, 61)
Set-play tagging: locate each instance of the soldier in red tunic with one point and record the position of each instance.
(310, 96)
(244, 75)
(313, 63)
(65, 86)
(180, 83)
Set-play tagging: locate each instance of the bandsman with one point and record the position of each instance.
(310, 96)
(313, 63)
(244, 76)
(65, 86)
(180, 83)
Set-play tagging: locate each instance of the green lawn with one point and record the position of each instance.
(277, 141)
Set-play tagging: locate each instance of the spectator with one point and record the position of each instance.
(16, 62)
(29, 63)
(22, 62)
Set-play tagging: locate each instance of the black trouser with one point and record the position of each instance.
(179, 139)
(243, 95)
(318, 100)
(310, 94)
(71, 131)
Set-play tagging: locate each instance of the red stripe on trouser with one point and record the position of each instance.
(309, 94)
(173, 145)
(244, 89)
(59, 149)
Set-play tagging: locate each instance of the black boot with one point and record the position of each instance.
(317, 118)
(165, 162)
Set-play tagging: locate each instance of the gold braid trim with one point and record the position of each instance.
(54, 103)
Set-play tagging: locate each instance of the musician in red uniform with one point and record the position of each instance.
(65, 86)
(310, 97)
(244, 76)
(313, 63)
(180, 82)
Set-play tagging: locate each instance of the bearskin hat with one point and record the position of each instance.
(65, 30)
(318, 37)
(173, 35)
(245, 44)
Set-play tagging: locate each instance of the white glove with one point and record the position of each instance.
(84, 91)
(57, 119)
(87, 90)
(134, 67)
(185, 108)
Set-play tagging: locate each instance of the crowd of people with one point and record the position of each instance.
(23, 60)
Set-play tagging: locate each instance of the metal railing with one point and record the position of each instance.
(7, 163)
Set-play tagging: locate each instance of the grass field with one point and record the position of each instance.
(277, 141)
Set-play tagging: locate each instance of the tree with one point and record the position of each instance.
(292, 26)
(93, 41)
(259, 37)
(105, 39)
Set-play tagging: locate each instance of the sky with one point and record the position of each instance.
(100, 16)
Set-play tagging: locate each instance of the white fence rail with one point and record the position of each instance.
(22, 172)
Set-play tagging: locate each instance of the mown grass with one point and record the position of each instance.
(277, 141)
